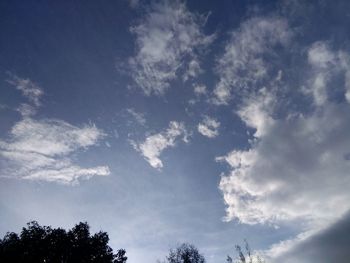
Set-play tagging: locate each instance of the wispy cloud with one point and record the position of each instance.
(133, 3)
(42, 149)
(29, 89)
(243, 66)
(168, 38)
(155, 144)
(27, 110)
(326, 66)
(139, 117)
(200, 90)
(209, 127)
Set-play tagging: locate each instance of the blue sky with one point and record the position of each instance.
(164, 122)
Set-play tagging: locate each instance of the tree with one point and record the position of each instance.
(185, 253)
(248, 258)
(39, 244)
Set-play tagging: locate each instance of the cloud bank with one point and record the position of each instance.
(296, 167)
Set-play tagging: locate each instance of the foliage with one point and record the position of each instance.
(185, 253)
(38, 243)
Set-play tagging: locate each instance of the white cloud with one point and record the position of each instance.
(69, 174)
(243, 64)
(28, 88)
(26, 110)
(326, 64)
(200, 90)
(193, 69)
(285, 175)
(42, 149)
(209, 127)
(256, 110)
(155, 144)
(296, 168)
(322, 59)
(167, 39)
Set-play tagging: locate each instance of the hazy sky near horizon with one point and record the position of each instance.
(164, 122)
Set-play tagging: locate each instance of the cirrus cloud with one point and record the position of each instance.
(41, 150)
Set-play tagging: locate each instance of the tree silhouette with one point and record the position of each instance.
(185, 253)
(248, 258)
(39, 244)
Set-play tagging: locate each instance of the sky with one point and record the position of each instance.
(162, 122)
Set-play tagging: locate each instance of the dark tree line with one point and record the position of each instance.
(40, 244)
(43, 244)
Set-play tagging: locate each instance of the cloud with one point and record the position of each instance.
(27, 110)
(193, 69)
(154, 145)
(256, 111)
(29, 89)
(296, 167)
(209, 127)
(69, 174)
(168, 38)
(41, 150)
(327, 65)
(282, 176)
(330, 245)
(243, 65)
(139, 117)
(133, 3)
(200, 90)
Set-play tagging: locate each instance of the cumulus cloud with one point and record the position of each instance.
(168, 38)
(209, 127)
(243, 64)
(296, 168)
(41, 149)
(155, 144)
(285, 174)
